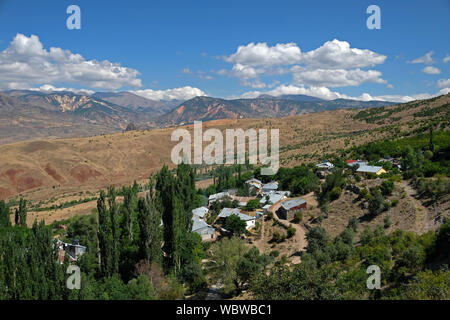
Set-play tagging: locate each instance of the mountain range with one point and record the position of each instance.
(27, 114)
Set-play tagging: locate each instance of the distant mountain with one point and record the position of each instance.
(31, 114)
(299, 97)
(81, 105)
(152, 108)
(265, 106)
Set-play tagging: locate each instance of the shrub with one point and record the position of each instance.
(291, 232)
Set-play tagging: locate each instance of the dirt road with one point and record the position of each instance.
(293, 246)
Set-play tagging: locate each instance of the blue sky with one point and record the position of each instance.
(178, 49)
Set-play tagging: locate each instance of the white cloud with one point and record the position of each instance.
(334, 77)
(26, 63)
(319, 92)
(443, 83)
(260, 54)
(431, 70)
(183, 93)
(426, 59)
(50, 88)
(333, 64)
(337, 54)
(446, 58)
(327, 94)
(186, 71)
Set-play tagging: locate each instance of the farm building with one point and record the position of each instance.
(290, 207)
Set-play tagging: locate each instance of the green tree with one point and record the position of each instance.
(235, 225)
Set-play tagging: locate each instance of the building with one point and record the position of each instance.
(217, 196)
(326, 165)
(249, 220)
(200, 227)
(269, 187)
(274, 197)
(73, 250)
(266, 208)
(255, 183)
(200, 212)
(370, 169)
(290, 207)
(353, 163)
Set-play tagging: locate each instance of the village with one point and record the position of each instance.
(265, 203)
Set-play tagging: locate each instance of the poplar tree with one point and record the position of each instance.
(150, 235)
(4, 215)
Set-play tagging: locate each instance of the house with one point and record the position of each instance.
(353, 163)
(249, 220)
(74, 250)
(255, 183)
(370, 169)
(269, 187)
(290, 207)
(200, 212)
(274, 197)
(326, 165)
(266, 208)
(217, 196)
(200, 227)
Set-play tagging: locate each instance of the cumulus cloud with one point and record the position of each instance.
(443, 83)
(446, 58)
(334, 77)
(186, 71)
(327, 94)
(260, 54)
(337, 54)
(426, 59)
(183, 93)
(26, 63)
(431, 70)
(333, 64)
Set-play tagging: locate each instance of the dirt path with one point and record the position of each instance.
(419, 208)
(296, 244)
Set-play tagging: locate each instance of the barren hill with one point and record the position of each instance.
(54, 166)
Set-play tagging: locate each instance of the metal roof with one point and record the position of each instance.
(369, 169)
(226, 212)
(201, 227)
(288, 205)
(200, 212)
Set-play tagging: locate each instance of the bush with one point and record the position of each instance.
(298, 217)
(387, 187)
(291, 232)
(278, 237)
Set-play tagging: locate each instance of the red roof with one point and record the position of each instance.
(350, 161)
